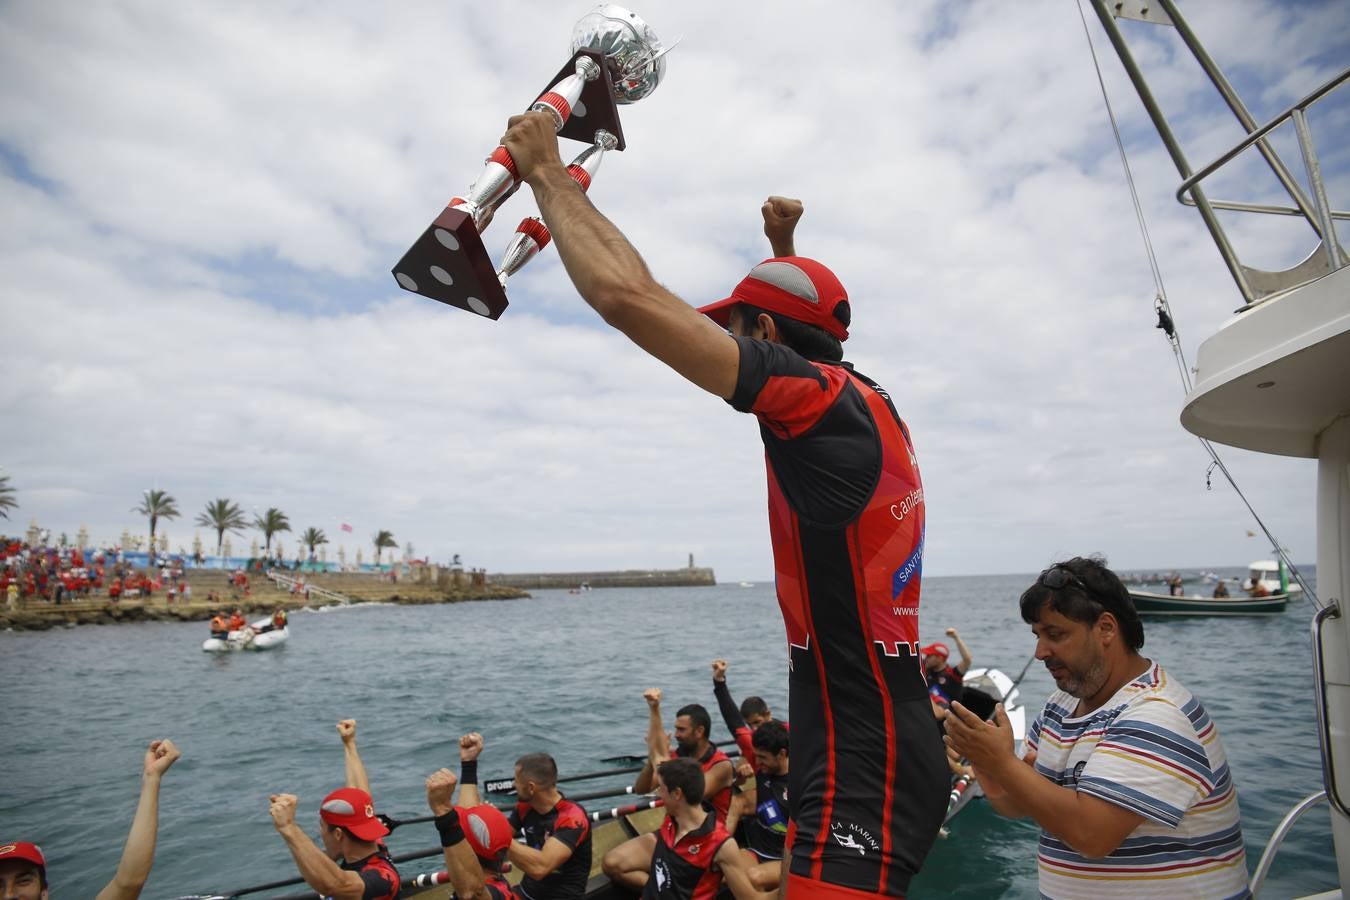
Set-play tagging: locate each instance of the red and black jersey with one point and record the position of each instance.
(944, 686)
(569, 823)
(765, 831)
(498, 888)
(377, 871)
(869, 782)
(721, 801)
(683, 869)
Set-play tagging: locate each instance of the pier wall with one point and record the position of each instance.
(694, 576)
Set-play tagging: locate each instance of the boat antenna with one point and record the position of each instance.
(1167, 322)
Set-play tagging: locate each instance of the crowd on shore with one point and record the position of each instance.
(58, 574)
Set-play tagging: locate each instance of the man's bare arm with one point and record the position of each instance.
(319, 872)
(608, 272)
(466, 875)
(734, 870)
(351, 757)
(657, 744)
(139, 853)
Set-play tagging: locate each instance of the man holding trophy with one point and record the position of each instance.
(868, 783)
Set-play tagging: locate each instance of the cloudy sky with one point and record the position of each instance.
(202, 203)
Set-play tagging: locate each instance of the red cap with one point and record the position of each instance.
(938, 649)
(353, 809)
(488, 833)
(27, 852)
(793, 286)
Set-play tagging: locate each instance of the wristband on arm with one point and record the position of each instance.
(468, 771)
(449, 827)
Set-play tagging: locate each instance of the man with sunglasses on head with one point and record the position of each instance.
(1124, 770)
(846, 520)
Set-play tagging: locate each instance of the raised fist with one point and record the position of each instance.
(781, 215)
(652, 696)
(282, 810)
(470, 745)
(347, 729)
(719, 669)
(441, 791)
(159, 756)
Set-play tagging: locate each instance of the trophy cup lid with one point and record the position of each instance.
(629, 43)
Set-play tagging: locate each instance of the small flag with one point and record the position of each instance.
(347, 528)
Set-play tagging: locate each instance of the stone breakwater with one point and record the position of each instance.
(692, 576)
(40, 616)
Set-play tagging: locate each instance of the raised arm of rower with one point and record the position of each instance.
(658, 744)
(470, 745)
(133, 869)
(351, 757)
(731, 714)
(608, 272)
(963, 666)
(466, 875)
(320, 872)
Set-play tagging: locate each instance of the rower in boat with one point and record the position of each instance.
(627, 864)
(555, 858)
(475, 840)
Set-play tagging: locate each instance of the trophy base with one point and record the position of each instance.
(597, 107)
(449, 263)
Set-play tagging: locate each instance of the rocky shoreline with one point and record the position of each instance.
(100, 611)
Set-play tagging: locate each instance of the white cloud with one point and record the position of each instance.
(197, 297)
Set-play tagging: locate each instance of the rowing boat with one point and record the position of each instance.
(1150, 604)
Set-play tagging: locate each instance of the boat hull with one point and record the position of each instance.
(1150, 604)
(242, 640)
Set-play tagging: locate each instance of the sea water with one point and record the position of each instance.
(556, 672)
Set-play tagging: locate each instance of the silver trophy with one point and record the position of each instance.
(616, 59)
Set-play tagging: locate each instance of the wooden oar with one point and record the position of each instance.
(508, 785)
(309, 895)
(634, 758)
(391, 823)
(604, 814)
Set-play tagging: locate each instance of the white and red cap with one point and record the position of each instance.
(936, 649)
(22, 850)
(793, 286)
(353, 809)
(488, 833)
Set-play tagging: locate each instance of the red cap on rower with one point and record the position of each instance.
(937, 649)
(793, 286)
(25, 851)
(488, 833)
(353, 809)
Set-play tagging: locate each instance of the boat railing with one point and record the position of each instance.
(1277, 838)
(1255, 284)
(1331, 611)
(287, 582)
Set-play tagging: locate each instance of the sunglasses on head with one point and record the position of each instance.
(1058, 577)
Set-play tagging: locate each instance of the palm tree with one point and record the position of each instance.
(312, 538)
(157, 505)
(222, 516)
(7, 500)
(270, 523)
(382, 540)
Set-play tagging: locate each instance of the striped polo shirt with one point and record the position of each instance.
(1153, 750)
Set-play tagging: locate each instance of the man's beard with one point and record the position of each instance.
(1086, 683)
(687, 749)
